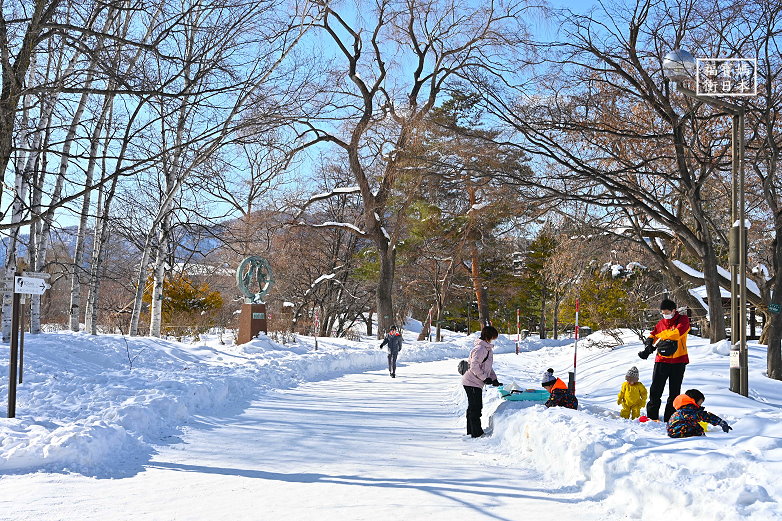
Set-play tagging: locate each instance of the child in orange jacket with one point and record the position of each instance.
(560, 395)
(685, 422)
(632, 396)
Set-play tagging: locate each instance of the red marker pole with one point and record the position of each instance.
(518, 331)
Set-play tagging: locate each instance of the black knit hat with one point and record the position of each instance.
(668, 304)
(548, 378)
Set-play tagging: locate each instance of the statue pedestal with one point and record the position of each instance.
(252, 321)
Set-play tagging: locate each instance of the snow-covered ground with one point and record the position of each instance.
(264, 431)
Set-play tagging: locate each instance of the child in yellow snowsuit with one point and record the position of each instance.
(632, 396)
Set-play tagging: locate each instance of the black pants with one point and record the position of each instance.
(392, 361)
(474, 408)
(674, 373)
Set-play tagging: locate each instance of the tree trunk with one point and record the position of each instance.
(385, 287)
(40, 229)
(426, 327)
(8, 293)
(714, 295)
(141, 282)
(368, 321)
(156, 309)
(93, 283)
(81, 234)
(438, 336)
(105, 198)
(323, 330)
(774, 345)
(764, 332)
(20, 208)
(481, 294)
(161, 258)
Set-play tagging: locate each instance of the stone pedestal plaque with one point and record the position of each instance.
(252, 321)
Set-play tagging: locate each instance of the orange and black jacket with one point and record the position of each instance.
(684, 422)
(674, 329)
(561, 396)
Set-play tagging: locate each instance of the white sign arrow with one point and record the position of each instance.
(30, 285)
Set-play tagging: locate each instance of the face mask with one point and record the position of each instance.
(667, 316)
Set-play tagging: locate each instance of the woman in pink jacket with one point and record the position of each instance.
(479, 374)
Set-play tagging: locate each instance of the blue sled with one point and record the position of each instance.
(527, 395)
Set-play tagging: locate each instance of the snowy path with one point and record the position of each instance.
(363, 446)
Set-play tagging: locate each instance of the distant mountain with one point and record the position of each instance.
(194, 243)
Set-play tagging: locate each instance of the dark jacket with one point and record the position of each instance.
(561, 396)
(394, 341)
(684, 422)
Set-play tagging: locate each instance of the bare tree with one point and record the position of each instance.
(616, 135)
(397, 59)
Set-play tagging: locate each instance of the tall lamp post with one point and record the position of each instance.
(679, 66)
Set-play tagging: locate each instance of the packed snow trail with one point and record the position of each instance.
(363, 446)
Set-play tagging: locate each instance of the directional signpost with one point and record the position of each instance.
(28, 283)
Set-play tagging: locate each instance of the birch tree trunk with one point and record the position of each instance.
(99, 248)
(37, 173)
(25, 166)
(141, 281)
(100, 236)
(90, 312)
(162, 256)
(81, 234)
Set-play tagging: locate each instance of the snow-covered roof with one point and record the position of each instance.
(751, 285)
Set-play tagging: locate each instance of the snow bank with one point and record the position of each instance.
(626, 460)
(634, 468)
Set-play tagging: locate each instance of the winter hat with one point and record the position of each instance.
(632, 373)
(668, 305)
(548, 378)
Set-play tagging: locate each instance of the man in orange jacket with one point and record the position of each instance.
(669, 339)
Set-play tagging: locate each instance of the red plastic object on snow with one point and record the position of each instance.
(643, 419)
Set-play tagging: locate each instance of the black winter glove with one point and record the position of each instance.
(496, 383)
(725, 426)
(488, 381)
(648, 348)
